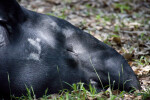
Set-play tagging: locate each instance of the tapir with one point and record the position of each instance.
(44, 52)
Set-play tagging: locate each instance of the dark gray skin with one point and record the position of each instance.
(42, 51)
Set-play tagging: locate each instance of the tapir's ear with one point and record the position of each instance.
(3, 19)
(3, 11)
(10, 10)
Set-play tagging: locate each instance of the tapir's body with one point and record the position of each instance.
(42, 51)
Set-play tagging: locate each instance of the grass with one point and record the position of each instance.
(116, 29)
(122, 7)
(143, 61)
(61, 15)
(79, 92)
(146, 94)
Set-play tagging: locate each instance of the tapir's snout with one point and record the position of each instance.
(113, 70)
(130, 79)
(132, 84)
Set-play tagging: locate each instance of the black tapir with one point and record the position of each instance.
(42, 51)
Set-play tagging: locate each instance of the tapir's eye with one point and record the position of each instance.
(70, 49)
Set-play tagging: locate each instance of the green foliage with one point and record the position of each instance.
(88, 6)
(114, 35)
(66, 1)
(112, 97)
(143, 37)
(107, 42)
(98, 16)
(110, 36)
(143, 61)
(92, 89)
(145, 94)
(45, 97)
(62, 15)
(107, 18)
(96, 73)
(122, 7)
(117, 29)
(79, 92)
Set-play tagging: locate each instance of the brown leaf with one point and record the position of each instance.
(117, 40)
(128, 56)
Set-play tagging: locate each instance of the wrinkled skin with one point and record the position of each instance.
(42, 51)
